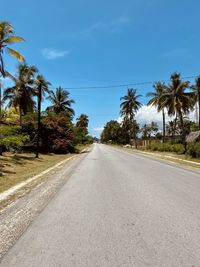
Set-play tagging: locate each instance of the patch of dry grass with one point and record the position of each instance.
(16, 168)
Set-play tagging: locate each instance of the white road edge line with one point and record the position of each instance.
(15, 188)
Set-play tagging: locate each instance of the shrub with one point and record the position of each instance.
(62, 146)
(167, 147)
(11, 137)
(193, 149)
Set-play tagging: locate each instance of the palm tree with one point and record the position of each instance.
(82, 127)
(177, 99)
(40, 90)
(129, 108)
(7, 37)
(172, 128)
(196, 89)
(155, 100)
(20, 95)
(60, 101)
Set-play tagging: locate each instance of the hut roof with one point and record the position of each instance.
(193, 136)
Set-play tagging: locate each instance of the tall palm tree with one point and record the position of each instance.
(178, 100)
(82, 122)
(7, 38)
(196, 89)
(20, 95)
(82, 126)
(155, 100)
(60, 101)
(129, 108)
(40, 90)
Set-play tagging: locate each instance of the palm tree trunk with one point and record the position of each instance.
(163, 114)
(39, 122)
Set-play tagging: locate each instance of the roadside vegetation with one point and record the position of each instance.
(26, 131)
(180, 135)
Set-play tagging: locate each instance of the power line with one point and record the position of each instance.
(121, 85)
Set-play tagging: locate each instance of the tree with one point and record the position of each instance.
(82, 128)
(178, 100)
(20, 96)
(111, 132)
(129, 108)
(172, 128)
(60, 101)
(196, 89)
(7, 37)
(149, 129)
(155, 100)
(41, 89)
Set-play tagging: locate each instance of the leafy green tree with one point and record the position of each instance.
(12, 136)
(61, 102)
(111, 132)
(20, 96)
(159, 89)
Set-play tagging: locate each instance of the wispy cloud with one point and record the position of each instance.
(176, 53)
(54, 53)
(112, 26)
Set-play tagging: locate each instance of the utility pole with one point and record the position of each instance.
(39, 120)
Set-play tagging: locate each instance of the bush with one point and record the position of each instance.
(62, 146)
(12, 137)
(167, 147)
(193, 149)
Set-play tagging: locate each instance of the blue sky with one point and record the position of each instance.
(96, 42)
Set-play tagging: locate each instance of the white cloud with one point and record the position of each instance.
(54, 53)
(147, 114)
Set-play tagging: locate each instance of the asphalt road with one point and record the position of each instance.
(117, 209)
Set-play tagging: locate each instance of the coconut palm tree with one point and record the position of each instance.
(155, 100)
(82, 127)
(129, 108)
(196, 89)
(82, 122)
(7, 38)
(20, 95)
(40, 90)
(60, 101)
(177, 99)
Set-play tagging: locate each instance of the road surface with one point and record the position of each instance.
(117, 209)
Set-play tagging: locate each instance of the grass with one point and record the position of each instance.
(16, 168)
